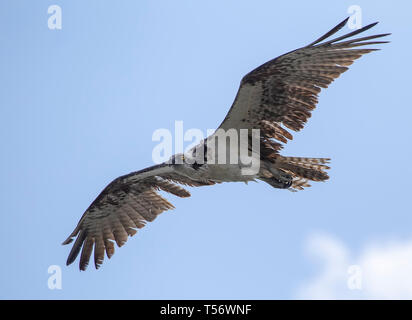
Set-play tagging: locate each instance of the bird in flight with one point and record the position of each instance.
(277, 96)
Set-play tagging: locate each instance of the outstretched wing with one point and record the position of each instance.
(281, 93)
(124, 206)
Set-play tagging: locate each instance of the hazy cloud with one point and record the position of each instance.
(379, 271)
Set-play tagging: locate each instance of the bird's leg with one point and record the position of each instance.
(275, 177)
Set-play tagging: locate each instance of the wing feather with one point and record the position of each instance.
(124, 206)
(282, 92)
(98, 250)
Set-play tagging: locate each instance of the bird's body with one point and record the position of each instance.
(276, 97)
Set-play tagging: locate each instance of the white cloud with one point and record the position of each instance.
(380, 271)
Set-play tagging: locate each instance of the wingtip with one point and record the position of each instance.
(342, 24)
(67, 241)
(335, 29)
(345, 21)
(367, 27)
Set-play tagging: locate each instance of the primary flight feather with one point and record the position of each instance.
(276, 97)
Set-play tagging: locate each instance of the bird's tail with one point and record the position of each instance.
(303, 169)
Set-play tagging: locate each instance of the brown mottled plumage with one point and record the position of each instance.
(285, 91)
(276, 97)
(124, 206)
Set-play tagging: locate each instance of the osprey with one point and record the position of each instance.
(274, 97)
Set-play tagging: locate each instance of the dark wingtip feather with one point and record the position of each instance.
(67, 241)
(86, 253)
(348, 35)
(330, 32)
(353, 33)
(76, 248)
(71, 236)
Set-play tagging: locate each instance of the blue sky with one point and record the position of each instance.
(79, 106)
